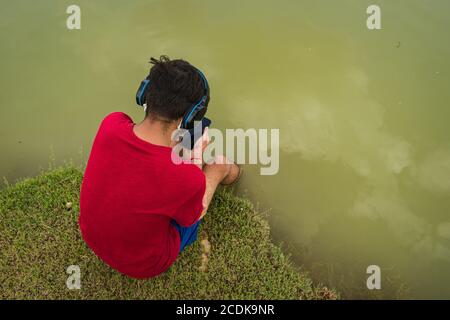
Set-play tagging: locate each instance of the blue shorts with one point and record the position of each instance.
(188, 235)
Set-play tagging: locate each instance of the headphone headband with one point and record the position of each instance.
(198, 110)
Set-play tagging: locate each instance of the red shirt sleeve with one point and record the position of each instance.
(190, 197)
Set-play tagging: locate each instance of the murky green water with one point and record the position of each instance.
(363, 115)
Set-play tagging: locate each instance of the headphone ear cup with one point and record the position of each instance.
(195, 114)
(141, 91)
(200, 114)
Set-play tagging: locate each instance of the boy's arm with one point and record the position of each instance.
(214, 174)
(212, 181)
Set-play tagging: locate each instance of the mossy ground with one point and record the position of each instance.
(39, 239)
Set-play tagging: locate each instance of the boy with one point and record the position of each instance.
(139, 209)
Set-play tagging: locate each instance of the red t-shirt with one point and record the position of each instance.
(131, 192)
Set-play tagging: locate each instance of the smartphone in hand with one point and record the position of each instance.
(190, 132)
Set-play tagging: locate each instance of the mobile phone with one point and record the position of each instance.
(189, 143)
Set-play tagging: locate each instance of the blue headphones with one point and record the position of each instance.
(194, 113)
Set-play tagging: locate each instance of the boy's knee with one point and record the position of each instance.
(221, 166)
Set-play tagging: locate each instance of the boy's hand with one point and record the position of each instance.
(203, 142)
(195, 155)
(199, 147)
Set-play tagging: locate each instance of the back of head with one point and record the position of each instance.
(175, 86)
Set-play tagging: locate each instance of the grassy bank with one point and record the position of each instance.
(39, 239)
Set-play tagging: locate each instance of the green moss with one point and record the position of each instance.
(39, 239)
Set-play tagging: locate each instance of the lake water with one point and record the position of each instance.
(363, 115)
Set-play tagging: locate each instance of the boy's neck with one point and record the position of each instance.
(156, 131)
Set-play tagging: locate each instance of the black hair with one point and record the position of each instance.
(175, 86)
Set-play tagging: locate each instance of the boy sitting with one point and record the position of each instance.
(139, 209)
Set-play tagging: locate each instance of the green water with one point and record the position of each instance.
(363, 115)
